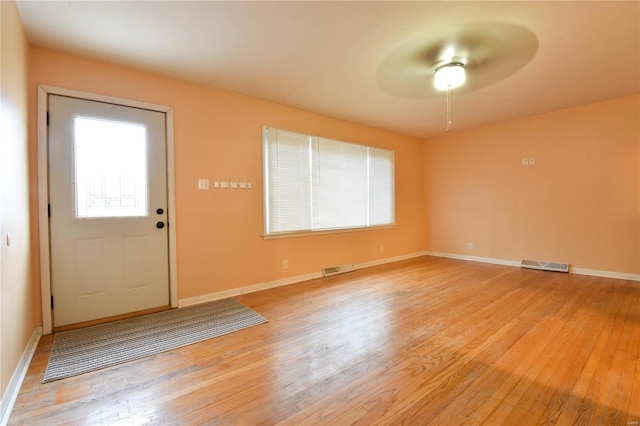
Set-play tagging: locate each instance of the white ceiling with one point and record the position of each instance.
(327, 57)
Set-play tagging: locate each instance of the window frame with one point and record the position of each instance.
(308, 232)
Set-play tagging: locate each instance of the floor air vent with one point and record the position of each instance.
(545, 266)
(335, 270)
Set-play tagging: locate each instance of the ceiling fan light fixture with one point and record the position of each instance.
(449, 76)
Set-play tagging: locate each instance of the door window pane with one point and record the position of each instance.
(110, 168)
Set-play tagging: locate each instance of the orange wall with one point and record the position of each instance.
(19, 294)
(218, 136)
(579, 203)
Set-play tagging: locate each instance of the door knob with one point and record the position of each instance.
(160, 225)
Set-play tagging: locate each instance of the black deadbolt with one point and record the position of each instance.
(159, 211)
(160, 225)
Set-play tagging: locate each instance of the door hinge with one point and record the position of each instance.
(47, 118)
(51, 302)
(49, 210)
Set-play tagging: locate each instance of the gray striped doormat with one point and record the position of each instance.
(92, 348)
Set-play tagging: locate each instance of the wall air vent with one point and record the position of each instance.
(545, 266)
(335, 270)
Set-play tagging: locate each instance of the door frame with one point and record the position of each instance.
(43, 190)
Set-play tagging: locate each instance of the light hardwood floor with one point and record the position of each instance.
(422, 341)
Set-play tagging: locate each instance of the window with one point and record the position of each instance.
(110, 168)
(315, 184)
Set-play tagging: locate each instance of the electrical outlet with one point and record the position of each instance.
(525, 161)
(470, 245)
(285, 264)
(532, 161)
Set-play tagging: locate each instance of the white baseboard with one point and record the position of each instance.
(248, 289)
(284, 281)
(605, 274)
(300, 278)
(389, 260)
(474, 258)
(13, 388)
(572, 270)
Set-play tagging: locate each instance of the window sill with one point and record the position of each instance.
(324, 232)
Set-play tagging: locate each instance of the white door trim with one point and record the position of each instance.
(43, 191)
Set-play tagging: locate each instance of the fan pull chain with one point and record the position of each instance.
(448, 110)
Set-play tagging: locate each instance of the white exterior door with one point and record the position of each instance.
(108, 209)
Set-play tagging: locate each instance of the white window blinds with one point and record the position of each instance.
(289, 207)
(316, 184)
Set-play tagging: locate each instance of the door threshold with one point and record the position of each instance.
(110, 319)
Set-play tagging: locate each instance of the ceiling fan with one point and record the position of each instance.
(465, 58)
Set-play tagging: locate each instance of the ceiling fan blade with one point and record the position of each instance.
(490, 51)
